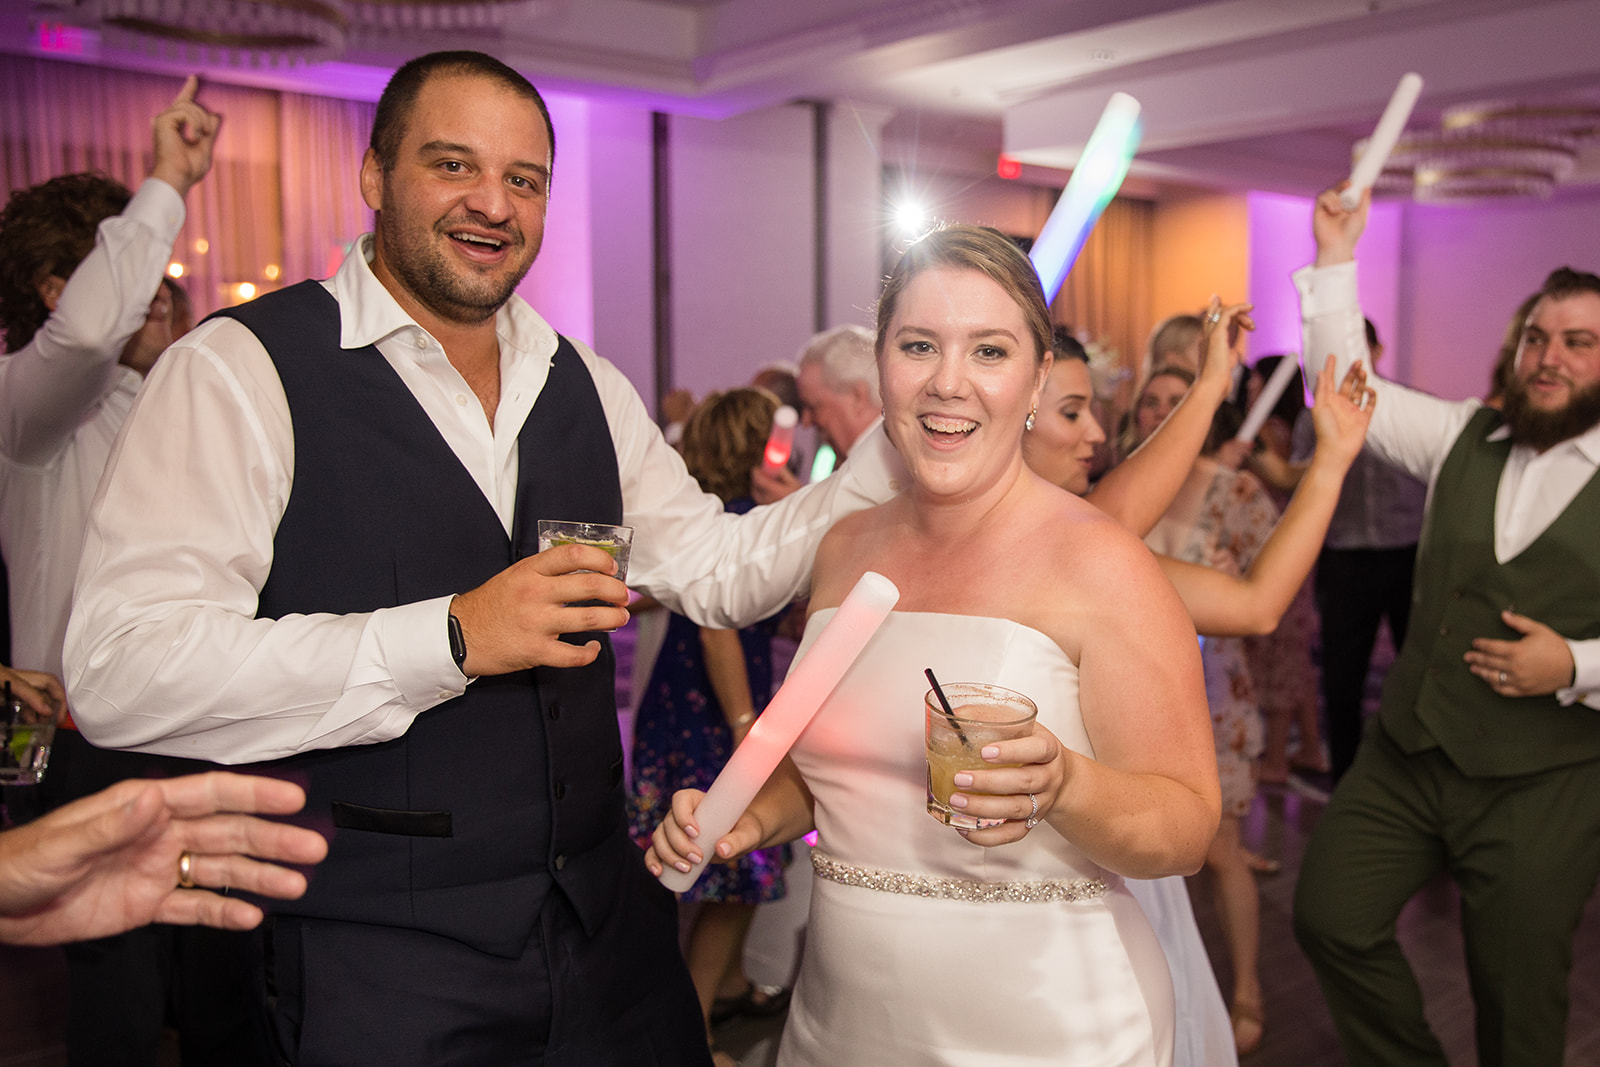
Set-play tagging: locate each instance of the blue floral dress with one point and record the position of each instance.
(681, 740)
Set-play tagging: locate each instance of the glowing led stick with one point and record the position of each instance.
(1095, 180)
(780, 442)
(1287, 368)
(792, 709)
(1382, 141)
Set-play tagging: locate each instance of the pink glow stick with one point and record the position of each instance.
(780, 442)
(1288, 367)
(792, 709)
(1382, 142)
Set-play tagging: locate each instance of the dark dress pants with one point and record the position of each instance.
(1356, 588)
(343, 993)
(123, 990)
(1524, 853)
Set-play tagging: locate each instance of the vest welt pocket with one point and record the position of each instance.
(390, 821)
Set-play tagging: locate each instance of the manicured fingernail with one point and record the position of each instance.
(695, 857)
(991, 752)
(963, 779)
(692, 831)
(957, 800)
(682, 866)
(724, 850)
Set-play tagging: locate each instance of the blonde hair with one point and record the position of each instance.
(725, 437)
(979, 248)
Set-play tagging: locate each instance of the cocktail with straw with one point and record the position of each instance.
(961, 718)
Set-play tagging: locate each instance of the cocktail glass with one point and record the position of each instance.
(616, 540)
(25, 744)
(982, 715)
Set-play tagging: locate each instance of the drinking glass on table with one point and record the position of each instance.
(980, 714)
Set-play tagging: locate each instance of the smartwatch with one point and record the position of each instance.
(458, 645)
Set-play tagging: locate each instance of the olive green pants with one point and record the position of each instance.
(1525, 854)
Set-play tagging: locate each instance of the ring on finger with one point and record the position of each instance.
(1213, 318)
(1033, 816)
(1502, 677)
(186, 869)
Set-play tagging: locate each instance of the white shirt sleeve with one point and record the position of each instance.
(1585, 686)
(1410, 429)
(720, 569)
(49, 385)
(164, 652)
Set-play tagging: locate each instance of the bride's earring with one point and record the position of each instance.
(1028, 424)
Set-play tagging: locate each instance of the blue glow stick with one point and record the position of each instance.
(1095, 180)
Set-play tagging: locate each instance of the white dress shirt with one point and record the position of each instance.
(63, 397)
(164, 653)
(1415, 432)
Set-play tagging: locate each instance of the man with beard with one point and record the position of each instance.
(352, 472)
(1482, 759)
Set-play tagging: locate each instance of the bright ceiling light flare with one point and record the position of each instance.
(911, 218)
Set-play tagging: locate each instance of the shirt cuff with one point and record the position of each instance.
(1585, 674)
(158, 206)
(1327, 289)
(413, 642)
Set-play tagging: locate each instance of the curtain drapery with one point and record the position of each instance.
(282, 199)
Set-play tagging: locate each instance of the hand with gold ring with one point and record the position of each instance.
(150, 850)
(1537, 663)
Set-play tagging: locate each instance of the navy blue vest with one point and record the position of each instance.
(461, 826)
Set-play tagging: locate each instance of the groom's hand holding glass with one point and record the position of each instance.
(515, 620)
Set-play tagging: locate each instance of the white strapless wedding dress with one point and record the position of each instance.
(895, 978)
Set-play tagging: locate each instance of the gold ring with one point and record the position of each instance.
(186, 869)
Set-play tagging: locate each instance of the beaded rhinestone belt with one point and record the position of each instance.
(917, 885)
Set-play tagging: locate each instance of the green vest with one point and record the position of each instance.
(1430, 698)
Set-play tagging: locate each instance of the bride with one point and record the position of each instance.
(1016, 944)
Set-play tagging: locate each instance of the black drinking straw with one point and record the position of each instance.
(949, 712)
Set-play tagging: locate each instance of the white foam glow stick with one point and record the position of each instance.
(1388, 131)
(1095, 180)
(793, 707)
(1287, 368)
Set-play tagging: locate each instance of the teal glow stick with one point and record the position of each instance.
(1095, 180)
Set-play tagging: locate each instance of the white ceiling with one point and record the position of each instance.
(1264, 94)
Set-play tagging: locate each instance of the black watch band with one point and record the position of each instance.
(458, 644)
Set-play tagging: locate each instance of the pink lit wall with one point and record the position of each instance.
(1281, 243)
(559, 286)
(1467, 268)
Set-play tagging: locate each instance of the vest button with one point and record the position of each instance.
(1444, 631)
(561, 862)
(560, 789)
(555, 709)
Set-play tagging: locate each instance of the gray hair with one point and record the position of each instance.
(845, 354)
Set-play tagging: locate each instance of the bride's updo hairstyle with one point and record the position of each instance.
(979, 248)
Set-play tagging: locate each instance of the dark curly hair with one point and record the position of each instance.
(48, 229)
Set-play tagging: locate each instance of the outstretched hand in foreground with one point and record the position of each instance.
(110, 862)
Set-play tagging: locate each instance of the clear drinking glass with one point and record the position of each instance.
(616, 540)
(983, 714)
(28, 734)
